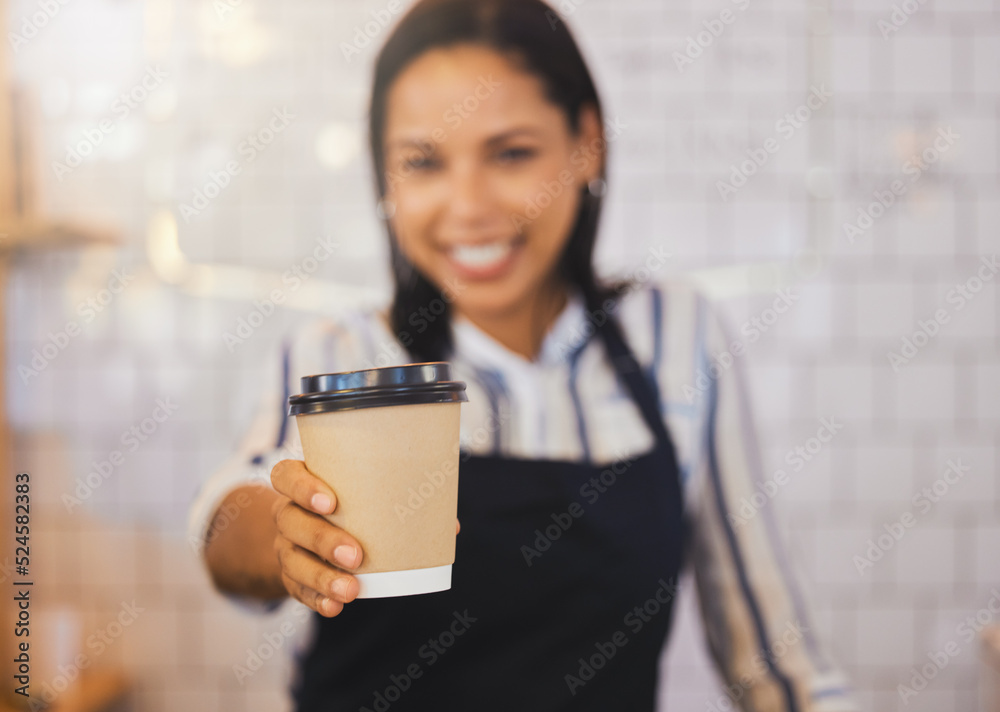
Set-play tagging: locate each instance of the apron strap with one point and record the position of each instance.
(640, 385)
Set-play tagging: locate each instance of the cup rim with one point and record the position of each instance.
(408, 384)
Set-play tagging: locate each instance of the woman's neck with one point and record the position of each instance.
(523, 327)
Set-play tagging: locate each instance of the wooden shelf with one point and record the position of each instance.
(97, 691)
(37, 234)
(24, 228)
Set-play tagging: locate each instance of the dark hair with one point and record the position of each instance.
(534, 35)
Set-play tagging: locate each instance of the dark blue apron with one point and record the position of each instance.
(561, 597)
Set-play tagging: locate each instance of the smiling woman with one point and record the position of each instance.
(454, 212)
(469, 182)
(577, 506)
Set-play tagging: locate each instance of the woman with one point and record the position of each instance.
(576, 508)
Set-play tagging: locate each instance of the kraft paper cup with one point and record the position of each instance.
(386, 441)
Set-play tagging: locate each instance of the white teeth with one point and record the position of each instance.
(479, 256)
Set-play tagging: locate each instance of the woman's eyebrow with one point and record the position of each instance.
(427, 144)
(501, 137)
(421, 143)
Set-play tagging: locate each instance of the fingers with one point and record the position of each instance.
(304, 545)
(314, 582)
(458, 526)
(316, 535)
(292, 479)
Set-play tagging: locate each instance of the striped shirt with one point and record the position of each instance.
(568, 404)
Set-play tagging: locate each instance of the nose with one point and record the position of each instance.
(470, 196)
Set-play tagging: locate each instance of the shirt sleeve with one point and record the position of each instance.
(271, 437)
(759, 629)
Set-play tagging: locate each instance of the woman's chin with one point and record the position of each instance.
(492, 304)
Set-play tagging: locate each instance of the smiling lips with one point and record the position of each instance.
(487, 260)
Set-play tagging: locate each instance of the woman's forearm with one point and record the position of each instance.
(239, 546)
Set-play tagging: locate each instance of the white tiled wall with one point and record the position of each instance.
(826, 358)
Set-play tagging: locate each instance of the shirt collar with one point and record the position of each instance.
(567, 333)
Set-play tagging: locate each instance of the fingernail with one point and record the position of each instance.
(340, 587)
(326, 605)
(320, 502)
(346, 555)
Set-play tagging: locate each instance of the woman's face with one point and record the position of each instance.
(485, 175)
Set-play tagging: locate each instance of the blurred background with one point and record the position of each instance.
(174, 161)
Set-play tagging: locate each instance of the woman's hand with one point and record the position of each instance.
(314, 554)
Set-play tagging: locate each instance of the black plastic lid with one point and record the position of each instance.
(372, 387)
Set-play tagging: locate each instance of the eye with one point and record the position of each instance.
(420, 163)
(516, 154)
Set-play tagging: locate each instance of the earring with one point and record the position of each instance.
(597, 187)
(385, 209)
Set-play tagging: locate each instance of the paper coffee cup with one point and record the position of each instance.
(386, 441)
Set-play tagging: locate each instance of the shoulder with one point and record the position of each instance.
(663, 317)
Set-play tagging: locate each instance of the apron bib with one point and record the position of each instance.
(561, 599)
